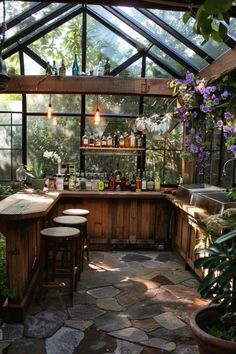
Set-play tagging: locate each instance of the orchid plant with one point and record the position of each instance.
(201, 109)
(39, 166)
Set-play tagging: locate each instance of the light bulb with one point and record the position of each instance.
(49, 110)
(97, 117)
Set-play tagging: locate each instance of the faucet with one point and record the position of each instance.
(223, 170)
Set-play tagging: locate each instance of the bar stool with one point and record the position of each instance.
(85, 213)
(78, 222)
(51, 241)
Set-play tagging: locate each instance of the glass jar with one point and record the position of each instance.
(20, 173)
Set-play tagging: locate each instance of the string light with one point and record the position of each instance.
(50, 108)
(97, 117)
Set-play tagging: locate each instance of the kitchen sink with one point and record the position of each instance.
(189, 191)
(215, 202)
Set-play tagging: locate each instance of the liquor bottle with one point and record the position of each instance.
(75, 66)
(101, 184)
(91, 140)
(132, 140)
(62, 69)
(82, 181)
(112, 182)
(54, 68)
(123, 183)
(138, 182)
(107, 67)
(139, 141)
(144, 182)
(116, 139)
(72, 182)
(109, 141)
(117, 183)
(98, 142)
(48, 69)
(133, 183)
(121, 141)
(104, 141)
(66, 182)
(85, 140)
(157, 182)
(150, 182)
(100, 69)
(127, 140)
(106, 181)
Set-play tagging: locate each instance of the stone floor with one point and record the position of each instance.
(126, 303)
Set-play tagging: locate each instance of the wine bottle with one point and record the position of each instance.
(75, 66)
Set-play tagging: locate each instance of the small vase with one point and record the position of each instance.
(38, 183)
(59, 168)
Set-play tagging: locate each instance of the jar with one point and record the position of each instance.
(20, 173)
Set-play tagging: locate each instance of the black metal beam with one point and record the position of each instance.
(84, 38)
(43, 31)
(127, 63)
(176, 34)
(151, 37)
(30, 29)
(35, 57)
(29, 12)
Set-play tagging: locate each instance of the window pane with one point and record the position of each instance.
(5, 137)
(60, 103)
(16, 137)
(10, 102)
(5, 164)
(5, 118)
(113, 104)
(153, 70)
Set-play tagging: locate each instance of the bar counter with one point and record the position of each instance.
(117, 219)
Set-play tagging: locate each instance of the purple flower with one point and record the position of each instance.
(198, 138)
(203, 108)
(228, 116)
(193, 148)
(216, 101)
(219, 123)
(188, 78)
(192, 131)
(194, 114)
(233, 149)
(202, 90)
(224, 95)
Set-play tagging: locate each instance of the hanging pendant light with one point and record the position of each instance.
(97, 118)
(3, 70)
(50, 107)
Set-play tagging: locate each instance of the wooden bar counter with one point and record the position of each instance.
(116, 219)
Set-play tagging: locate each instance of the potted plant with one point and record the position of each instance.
(214, 326)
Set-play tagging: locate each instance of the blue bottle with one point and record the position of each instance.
(75, 66)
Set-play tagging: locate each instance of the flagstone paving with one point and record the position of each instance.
(126, 302)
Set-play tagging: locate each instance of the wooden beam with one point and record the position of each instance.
(105, 85)
(221, 66)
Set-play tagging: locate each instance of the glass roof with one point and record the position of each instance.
(160, 34)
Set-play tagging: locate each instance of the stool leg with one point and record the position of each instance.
(72, 269)
(87, 243)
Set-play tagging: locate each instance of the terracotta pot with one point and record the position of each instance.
(38, 183)
(207, 344)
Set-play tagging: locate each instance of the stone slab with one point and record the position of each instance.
(27, 346)
(169, 320)
(10, 332)
(104, 292)
(81, 325)
(112, 321)
(147, 325)
(84, 312)
(131, 334)
(109, 304)
(39, 327)
(160, 344)
(64, 341)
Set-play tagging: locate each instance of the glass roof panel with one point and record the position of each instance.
(14, 8)
(121, 25)
(134, 70)
(33, 19)
(174, 19)
(167, 39)
(102, 43)
(153, 70)
(168, 60)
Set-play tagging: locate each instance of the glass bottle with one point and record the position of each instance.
(75, 66)
(72, 182)
(100, 69)
(112, 182)
(144, 182)
(104, 141)
(98, 142)
(66, 181)
(107, 67)
(157, 182)
(132, 140)
(48, 69)
(62, 69)
(109, 141)
(133, 183)
(138, 182)
(121, 141)
(82, 181)
(101, 184)
(139, 141)
(91, 140)
(150, 182)
(54, 68)
(127, 140)
(116, 139)
(20, 173)
(85, 140)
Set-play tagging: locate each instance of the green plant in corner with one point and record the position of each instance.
(219, 283)
(4, 289)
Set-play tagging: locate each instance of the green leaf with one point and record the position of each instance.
(217, 6)
(226, 237)
(223, 30)
(186, 16)
(216, 36)
(226, 17)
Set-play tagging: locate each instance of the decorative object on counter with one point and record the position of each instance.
(214, 326)
(21, 174)
(100, 69)
(107, 67)
(54, 68)
(200, 107)
(62, 69)
(75, 66)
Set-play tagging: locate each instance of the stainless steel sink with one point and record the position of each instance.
(189, 191)
(215, 202)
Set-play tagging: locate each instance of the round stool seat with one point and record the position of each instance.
(60, 232)
(78, 212)
(70, 220)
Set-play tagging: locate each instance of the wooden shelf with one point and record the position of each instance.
(106, 85)
(111, 151)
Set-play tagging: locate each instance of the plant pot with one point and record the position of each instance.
(38, 183)
(207, 344)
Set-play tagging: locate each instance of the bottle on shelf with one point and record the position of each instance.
(101, 183)
(106, 181)
(77, 183)
(112, 183)
(82, 181)
(139, 140)
(109, 141)
(85, 140)
(20, 173)
(157, 182)
(75, 66)
(138, 182)
(104, 141)
(98, 141)
(123, 183)
(150, 182)
(126, 140)
(91, 140)
(116, 139)
(132, 140)
(144, 182)
(66, 181)
(48, 69)
(107, 67)
(72, 182)
(62, 69)
(54, 68)
(121, 141)
(117, 182)
(100, 69)
(133, 183)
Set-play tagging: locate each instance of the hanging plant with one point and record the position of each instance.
(201, 109)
